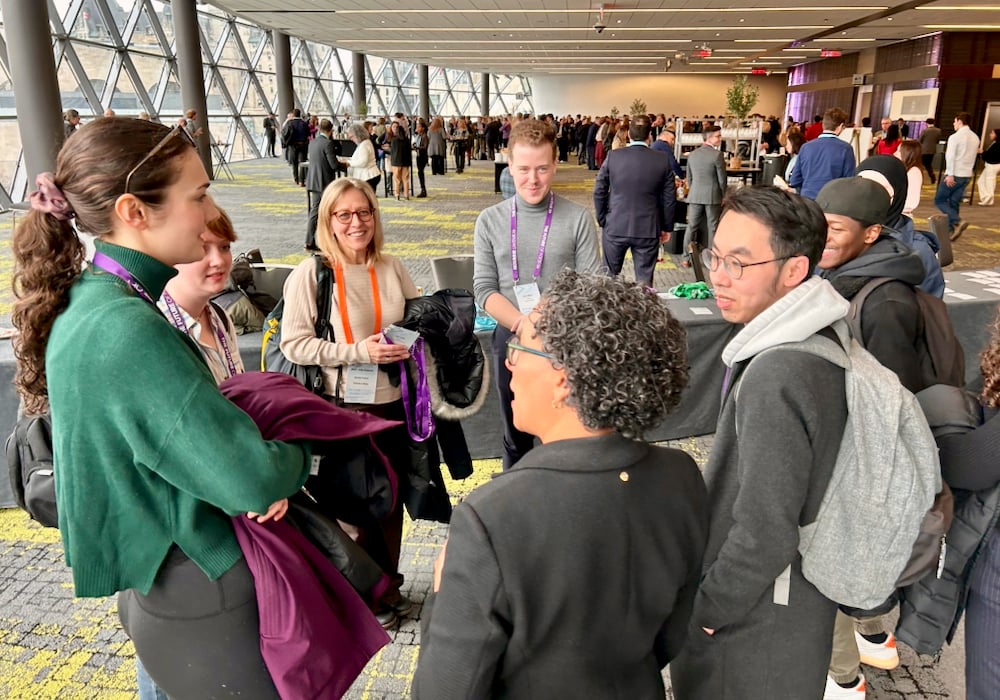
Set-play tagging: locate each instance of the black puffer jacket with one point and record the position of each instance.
(446, 321)
(931, 608)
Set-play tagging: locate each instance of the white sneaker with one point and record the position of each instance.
(836, 692)
(882, 655)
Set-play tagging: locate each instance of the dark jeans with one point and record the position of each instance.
(592, 156)
(947, 199)
(198, 638)
(460, 147)
(516, 443)
(270, 143)
(437, 165)
(928, 161)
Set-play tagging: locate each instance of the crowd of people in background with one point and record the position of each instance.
(704, 583)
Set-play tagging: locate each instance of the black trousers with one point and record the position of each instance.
(298, 152)
(928, 161)
(314, 198)
(460, 148)
(644, 254)
(421, 165)
(437, 165)
(199, 638)
(270, 143)
(516, 443)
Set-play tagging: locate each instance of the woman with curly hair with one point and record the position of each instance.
(573, 573)
(969, 463)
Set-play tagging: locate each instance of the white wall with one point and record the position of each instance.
(683, 95)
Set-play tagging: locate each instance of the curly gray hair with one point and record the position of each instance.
(625, 356)
(358, 131)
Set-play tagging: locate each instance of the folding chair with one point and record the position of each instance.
(452, 272)
(940, 228)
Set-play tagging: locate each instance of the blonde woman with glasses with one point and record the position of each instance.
(369, 293)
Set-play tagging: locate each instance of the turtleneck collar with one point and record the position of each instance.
(541, 206)
(152, 274)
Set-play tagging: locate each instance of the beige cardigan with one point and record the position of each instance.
(298, 338)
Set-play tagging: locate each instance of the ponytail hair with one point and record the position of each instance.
(48, 258)
(48, 255)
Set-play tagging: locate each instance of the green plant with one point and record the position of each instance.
(741, 97)
(363, 109)
(637, 107)
(614, 113)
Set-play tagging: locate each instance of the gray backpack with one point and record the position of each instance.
(883, 483)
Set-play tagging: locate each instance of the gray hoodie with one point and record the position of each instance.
(771, 462)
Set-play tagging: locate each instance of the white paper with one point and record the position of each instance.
(701, 311)
(401, 336)
(359, 383)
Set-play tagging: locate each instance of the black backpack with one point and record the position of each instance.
(945, 359)
(29, 462)
(271, 357)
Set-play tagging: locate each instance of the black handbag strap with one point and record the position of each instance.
(324, 297)
(324, 305)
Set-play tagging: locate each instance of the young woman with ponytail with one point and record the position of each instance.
(151, 461)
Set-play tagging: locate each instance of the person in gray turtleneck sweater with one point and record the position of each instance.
(571, 242)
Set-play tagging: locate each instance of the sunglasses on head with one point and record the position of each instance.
(177, 130)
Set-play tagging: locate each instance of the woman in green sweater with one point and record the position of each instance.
(151, 461)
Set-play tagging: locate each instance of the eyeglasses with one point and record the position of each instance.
(514, 348)
(156, 149)
(734, 266)
(345, 217)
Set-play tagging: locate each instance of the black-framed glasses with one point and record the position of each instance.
(345, 216)
(514, 348)
(733, 266)
(156, 149)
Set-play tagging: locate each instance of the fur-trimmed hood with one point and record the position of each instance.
(457, 367)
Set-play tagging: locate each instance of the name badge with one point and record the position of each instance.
(528, 297)
(359, 383)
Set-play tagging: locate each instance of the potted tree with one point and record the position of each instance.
(638, 107)
(740, 99)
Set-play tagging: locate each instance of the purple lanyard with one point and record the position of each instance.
(113, 267)
(419, 419)
(541, 243)
(177, 318)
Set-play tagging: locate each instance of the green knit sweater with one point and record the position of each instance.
(147, 452)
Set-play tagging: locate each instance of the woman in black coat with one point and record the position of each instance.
(573, 573)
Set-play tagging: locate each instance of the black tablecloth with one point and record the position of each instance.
(708, 334)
